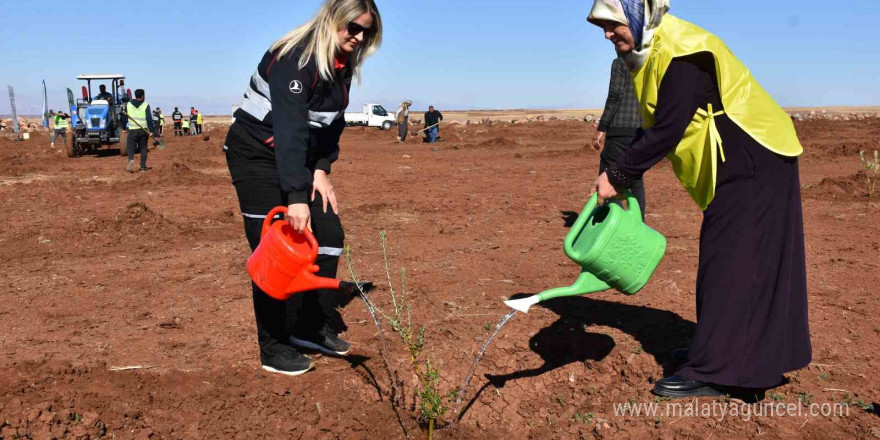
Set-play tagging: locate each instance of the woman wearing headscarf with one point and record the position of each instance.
(279, 151)
(403, 121)
(735, 151)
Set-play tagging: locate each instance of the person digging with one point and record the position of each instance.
(735, 151)
(138, 121)
(432, 123)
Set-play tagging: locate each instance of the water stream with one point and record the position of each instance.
(467, 379)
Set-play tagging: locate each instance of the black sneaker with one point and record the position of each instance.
(145, 169)
(326, 341)
(289, 363)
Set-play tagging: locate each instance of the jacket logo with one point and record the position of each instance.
(296, 86)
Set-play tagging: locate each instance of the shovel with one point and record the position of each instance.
(158, 143)
(428, 128)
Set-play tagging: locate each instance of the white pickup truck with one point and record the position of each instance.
(374, 115)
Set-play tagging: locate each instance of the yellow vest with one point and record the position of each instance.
(137, 116)
(185, 123)
(60, 123)
(199, 118)
(746, 103)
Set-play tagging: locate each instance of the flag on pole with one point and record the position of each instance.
(45, 107)
(73, 114)
(15, 126)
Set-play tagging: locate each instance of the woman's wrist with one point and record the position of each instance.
(619, 179)
(295, 197)
(323, 165)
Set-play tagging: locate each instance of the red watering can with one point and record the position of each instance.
(284, 262)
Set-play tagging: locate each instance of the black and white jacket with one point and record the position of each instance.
(293, 116)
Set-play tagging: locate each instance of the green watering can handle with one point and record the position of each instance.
(632, 205)
(579, 224)
(632, 209)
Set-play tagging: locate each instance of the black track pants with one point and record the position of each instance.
(137, 141)
(255, 178)
(403, 129)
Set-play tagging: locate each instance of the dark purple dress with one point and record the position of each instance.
(751, 284)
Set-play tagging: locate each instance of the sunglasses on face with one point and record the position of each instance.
(354, 29)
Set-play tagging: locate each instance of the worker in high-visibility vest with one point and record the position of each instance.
(61, 123)
(139, 119)
(192, 125)
(160, 118)
(185, 125)
(177, 118)
(198, 122)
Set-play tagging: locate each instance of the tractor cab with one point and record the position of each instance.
(101, 112)
(98, 114)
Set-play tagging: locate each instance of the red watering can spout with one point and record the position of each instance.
(284, 262)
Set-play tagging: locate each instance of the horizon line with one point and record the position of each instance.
(839, 108)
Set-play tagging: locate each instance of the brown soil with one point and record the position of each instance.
(126, 308)
(499, 142)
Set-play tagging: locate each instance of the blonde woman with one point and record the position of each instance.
(279, 151)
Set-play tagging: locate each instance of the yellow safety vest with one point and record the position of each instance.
(138, 115)
(199, 118)
(161, 119)
(60, 122)
(746, 103)
(185, 123)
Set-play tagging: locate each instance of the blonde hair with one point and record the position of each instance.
(318, 37)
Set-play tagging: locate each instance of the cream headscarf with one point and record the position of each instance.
(612, 10)
(404, 107)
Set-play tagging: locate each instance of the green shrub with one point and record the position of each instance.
(872, 171)
(431, 402)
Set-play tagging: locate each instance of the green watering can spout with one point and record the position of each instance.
(614, 248)
(586, 283)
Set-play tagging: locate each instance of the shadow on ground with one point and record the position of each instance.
(567, 341)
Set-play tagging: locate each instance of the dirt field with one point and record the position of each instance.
(104, 270)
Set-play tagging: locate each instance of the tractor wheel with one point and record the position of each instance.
(123, 143)
(386, 125)
(70, 144)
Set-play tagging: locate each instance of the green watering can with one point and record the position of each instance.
(615, 248)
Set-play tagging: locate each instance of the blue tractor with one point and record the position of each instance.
(96, 121)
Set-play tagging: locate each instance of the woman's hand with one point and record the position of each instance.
(321, 184)
(598, 140)
(605, 189)
(300, 217)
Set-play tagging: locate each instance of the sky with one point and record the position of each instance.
(453, 54)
